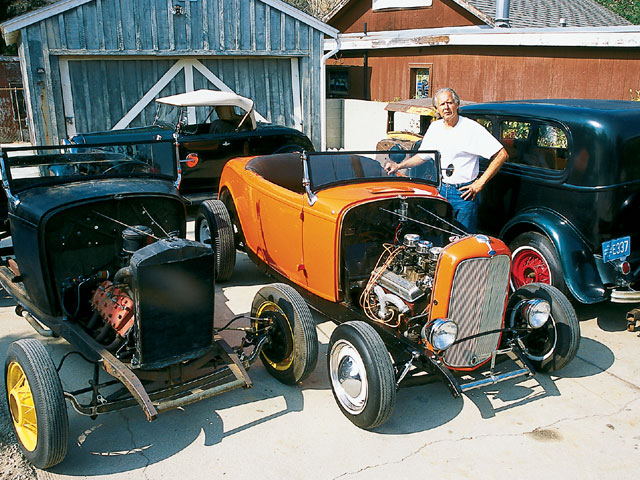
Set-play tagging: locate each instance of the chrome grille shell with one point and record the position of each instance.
(477, 304)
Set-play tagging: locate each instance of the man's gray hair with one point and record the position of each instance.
(456, 98)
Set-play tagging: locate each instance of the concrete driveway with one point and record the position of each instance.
(583, 423)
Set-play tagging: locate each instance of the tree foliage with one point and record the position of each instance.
(629, 9)
(14, 8)
(316, 8)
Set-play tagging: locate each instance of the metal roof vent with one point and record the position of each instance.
(502, 13)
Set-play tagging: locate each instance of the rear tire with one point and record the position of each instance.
(292, 352)
(361, 374)
(535, 260)
(36, 403)
(213, 227)
(554, 345)
(238, 234)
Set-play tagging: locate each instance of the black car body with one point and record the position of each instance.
(205, 138)
(97, 254)
(568, 198)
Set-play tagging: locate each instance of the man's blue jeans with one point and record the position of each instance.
(465, 211)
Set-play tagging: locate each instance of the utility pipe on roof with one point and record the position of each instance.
(502, 13)
(323, 94)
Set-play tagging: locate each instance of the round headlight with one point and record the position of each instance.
(537, 312)
(443, 333)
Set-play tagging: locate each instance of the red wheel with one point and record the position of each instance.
(529, 266)
(534, 260)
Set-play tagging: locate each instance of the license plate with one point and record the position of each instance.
(617, 248)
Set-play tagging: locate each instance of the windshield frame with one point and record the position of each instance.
(380, 157)
(81, 163)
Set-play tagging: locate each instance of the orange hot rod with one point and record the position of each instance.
(413, 294)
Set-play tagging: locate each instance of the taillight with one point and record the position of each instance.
(625, 268)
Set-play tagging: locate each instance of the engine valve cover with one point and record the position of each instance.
(114, 306)
(394, 283)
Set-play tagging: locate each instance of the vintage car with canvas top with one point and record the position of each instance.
(412, 293)
(209, 127)
(98, 256)
(567, 200)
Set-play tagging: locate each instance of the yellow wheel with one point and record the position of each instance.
(292, 351)
(36, 403)
(21, 407)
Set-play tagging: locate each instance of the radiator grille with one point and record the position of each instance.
(477, 303)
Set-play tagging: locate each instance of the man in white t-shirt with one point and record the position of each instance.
(461, 142)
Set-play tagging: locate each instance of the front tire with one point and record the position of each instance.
(213, 227)
(552, 346)
(292, 352)
(36, 403)
(535, 260)
(361, 374)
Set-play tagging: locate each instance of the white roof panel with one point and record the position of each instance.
(207, 98)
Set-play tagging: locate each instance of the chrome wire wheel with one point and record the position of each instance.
(348, 377)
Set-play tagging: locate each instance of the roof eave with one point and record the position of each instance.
(10, 29)
(475, 12)
(466, 5)
(625, 36)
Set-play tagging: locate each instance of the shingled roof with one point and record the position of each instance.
(533, 13)
(547, 13)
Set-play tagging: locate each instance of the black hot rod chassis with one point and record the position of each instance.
(95, 252)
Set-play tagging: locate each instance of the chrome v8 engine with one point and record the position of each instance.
(401, 283)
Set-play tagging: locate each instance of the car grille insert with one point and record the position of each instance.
(477, 305)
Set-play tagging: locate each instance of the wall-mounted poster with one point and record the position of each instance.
(422, 85)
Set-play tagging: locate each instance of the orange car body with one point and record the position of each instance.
(384, 258)
(301, 242)
(298, 238)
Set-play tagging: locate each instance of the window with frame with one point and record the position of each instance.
(486, 123)
(337, 82)
(420, 81)
(540, 145)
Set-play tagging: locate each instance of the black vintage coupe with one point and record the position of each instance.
(567, 200)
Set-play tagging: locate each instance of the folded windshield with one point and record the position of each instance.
(331, 168)
(27, 167)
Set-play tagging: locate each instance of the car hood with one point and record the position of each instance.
(37, 202)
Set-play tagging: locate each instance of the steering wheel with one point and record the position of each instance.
(136, 166)
(164, 124)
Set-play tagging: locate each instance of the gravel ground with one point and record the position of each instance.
(13, 465)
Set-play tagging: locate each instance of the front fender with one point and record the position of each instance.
(576, 258)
